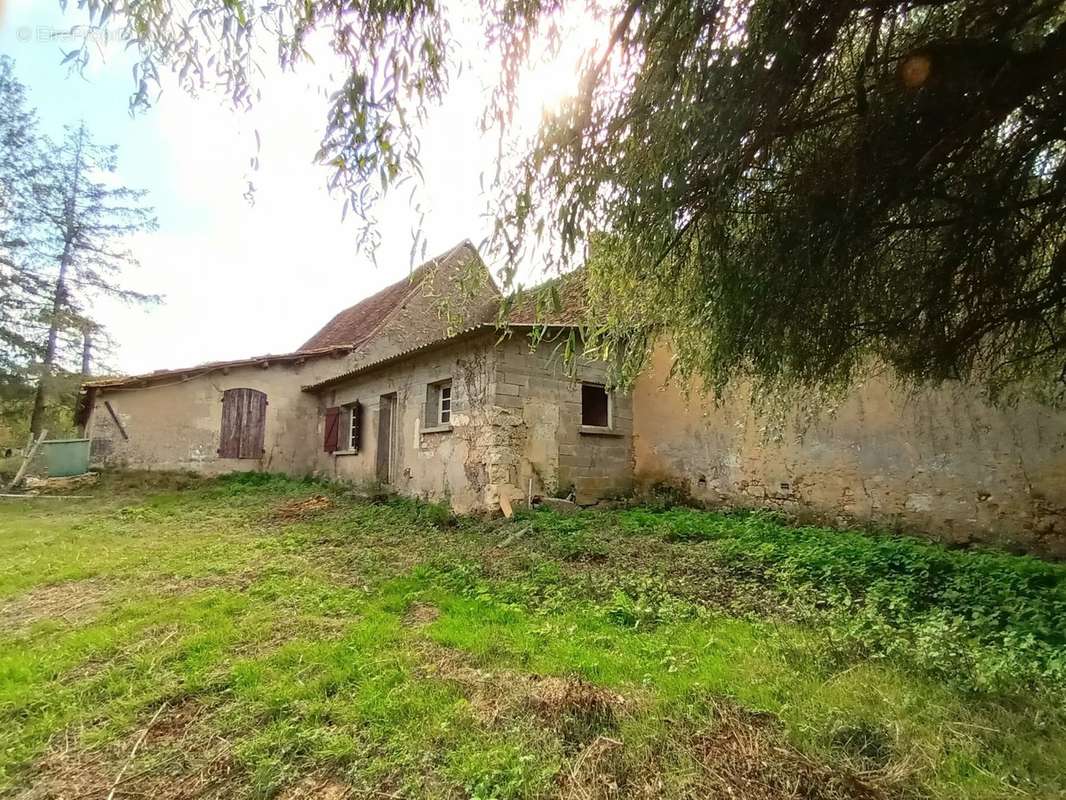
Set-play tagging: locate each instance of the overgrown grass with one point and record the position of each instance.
(389, 648)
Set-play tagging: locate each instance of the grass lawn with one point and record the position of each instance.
(256, 636)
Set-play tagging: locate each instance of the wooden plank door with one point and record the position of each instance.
(386, 436)
(243, 423)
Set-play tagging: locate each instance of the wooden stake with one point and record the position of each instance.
(26, 459)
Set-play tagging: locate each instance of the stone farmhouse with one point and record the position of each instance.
(419, 388)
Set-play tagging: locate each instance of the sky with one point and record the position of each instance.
(241, 279)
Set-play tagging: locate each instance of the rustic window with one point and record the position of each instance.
(595, 406)
(343, 428)
(353, 417)
(243, 423)
(439, 404)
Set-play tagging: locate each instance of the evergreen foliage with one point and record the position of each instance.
(65, 229)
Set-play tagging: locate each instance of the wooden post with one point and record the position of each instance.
(26, 461)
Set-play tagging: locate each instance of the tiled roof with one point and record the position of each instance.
(212, 366)
(535, 306)
(357, 324)
(443, 341)
(531, 308)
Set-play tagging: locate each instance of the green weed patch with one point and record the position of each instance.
(256, 636)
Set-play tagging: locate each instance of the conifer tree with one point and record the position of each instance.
(20, 286)
(82, 247)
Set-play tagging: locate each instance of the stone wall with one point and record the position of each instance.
(543, 440)
(175, 424)
(450, 463)
(515, 426)
(941, 462)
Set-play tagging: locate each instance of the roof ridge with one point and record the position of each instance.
(378, 308)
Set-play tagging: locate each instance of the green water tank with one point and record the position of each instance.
(65, 457)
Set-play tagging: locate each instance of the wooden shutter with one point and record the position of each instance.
(243, 423)
(253, 428)
(230, 439)
(333, 418)
(386, 407)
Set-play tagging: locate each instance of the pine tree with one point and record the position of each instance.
(20, 286)
(82, 243)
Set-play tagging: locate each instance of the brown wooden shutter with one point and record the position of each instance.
(243, 423)
(386, 406)
(230, 438)
(357, 425)
(333, 418)
(253, 428)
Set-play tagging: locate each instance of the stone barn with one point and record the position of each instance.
(418, 388)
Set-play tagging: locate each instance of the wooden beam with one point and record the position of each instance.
(114, 416)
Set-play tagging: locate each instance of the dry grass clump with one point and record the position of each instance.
(419, 615)
(742, 755)
(303, 508)
(174, 756)
(746, 755)
(316, 788)
(574, 709)
(578, 710)
(70, 602)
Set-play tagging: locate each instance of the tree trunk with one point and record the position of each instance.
(86, 352)
(59, 295)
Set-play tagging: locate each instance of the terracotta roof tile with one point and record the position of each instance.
(533, 306)
(212, 366)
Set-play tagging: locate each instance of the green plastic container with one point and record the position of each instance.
(65, 457)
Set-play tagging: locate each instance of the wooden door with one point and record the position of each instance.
(243, 423)
(386, 436)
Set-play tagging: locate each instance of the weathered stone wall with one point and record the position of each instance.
(516, 424)
(450, 464)
(176, 424)
(940, 462)
(539, 432)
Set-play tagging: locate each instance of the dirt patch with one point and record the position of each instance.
(746, 755)
(176, 723)
(578, 711)
(172, 756)
(419, 615)
(317, 789)
(741, 755)
(302, 509)
(70, 602)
